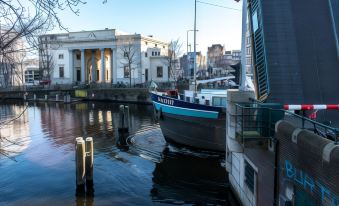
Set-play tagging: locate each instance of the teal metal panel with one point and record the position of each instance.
(186, 112)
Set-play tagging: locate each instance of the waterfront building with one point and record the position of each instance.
(213, 54)
(12, 57)
(102, 56)
(187, 65)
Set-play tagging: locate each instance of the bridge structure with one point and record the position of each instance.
(280, 149)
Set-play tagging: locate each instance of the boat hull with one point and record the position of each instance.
(202, 128)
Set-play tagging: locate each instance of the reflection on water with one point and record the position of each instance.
(142, 171)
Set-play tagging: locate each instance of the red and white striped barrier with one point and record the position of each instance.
(311, 106)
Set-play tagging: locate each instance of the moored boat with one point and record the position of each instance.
(199, 125)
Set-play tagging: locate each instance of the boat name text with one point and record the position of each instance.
(166, 101)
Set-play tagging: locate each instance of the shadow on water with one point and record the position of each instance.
(138, 169)
(182, 176)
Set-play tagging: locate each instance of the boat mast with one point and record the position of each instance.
(195, 49)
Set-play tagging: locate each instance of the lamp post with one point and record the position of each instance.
(187, 38)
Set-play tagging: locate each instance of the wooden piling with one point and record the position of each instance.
(126, 119)
(80, 165)
(123, 118)
(46, 97)
(89, 165)
(56, 97)
(34, 97)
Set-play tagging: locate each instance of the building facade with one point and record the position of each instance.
(102, 56)
(11, 59)
(187, 65)
(214, 54)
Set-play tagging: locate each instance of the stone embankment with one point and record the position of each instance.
(128, 95)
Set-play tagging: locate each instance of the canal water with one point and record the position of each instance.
(37, 161)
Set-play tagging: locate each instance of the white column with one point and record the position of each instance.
(114, 67)
(94, 66)
(243, 47)
(83, 66)
(102, 69)
(71, 66)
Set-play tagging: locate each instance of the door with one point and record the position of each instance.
(146, 75)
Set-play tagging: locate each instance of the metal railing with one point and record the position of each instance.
(257, 121)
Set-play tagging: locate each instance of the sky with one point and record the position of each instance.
(164, 19)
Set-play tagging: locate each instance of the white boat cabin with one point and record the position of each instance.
(210, 97)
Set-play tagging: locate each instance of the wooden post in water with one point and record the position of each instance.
(46, 97)
(34, 97)
(89, 165)
(25, 96)
(126, 119)
(80, 165)
(56, 97)
(123, 118)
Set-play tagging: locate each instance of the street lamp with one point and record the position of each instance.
(187, 37)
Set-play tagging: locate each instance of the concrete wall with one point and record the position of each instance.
(309, 166)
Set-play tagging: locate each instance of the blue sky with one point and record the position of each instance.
(164, 19)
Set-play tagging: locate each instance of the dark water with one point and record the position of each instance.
(37, 162)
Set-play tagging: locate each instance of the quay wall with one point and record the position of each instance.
(309, 166)
(129, 95)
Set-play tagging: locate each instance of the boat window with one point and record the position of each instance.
(196, 100)
(219, 101)
(188, 99)
(182, 97)
(207, 102)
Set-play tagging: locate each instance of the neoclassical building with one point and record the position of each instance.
(102, 56)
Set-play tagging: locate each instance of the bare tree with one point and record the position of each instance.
(20, 28)
(46, 63)
(172, 60)
(130, 57)
(20, 25)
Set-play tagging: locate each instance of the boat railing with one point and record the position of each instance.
(256, 121)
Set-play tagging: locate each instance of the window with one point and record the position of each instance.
(125, 54)
(78, 56)
(249, 177)
(159, 72)
(61, 56)
(255, 21)
(78, 73)
(61, 72)
(219, 101)
(126, 72)
(155, 45)
(146, 54)
(152, 53)
(158, 53)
